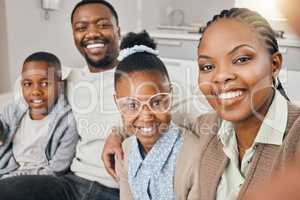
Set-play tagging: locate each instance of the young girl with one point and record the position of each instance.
(255, 130)
(159, 162)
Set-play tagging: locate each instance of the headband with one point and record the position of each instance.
(136, 49)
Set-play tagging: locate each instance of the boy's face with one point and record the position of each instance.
(39, 87)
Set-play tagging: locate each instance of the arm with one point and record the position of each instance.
(113, 148)
(65, 152)
(7, 117)
(122, 173)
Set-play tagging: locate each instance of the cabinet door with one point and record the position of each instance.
(186, 96)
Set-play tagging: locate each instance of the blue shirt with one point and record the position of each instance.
(152, 176)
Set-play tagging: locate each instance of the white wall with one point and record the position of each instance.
(200, 11)
(4, 67)
(28, 31)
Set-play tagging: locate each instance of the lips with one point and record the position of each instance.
(147, 130)
(94, 46)
(37, 102)
(230, 94)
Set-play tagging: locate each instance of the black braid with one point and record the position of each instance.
(257, 23)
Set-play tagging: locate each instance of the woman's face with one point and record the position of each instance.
(144, 102)
(236, 70)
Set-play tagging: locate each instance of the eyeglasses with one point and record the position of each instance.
(158, 103)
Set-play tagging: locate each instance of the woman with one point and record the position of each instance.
(254, 130)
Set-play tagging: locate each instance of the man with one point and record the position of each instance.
(90, 91)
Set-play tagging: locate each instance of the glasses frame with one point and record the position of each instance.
(146, 103)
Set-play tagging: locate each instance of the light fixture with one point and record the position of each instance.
(50, 5)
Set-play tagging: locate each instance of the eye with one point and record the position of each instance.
(80, 27)
(27, 84)
(242, 60)
(44, 84)
(156, 103)
(132, 105)
(104, 24)
(206, 67)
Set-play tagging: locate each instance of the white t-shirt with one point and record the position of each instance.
(30, 142)
(91, 98)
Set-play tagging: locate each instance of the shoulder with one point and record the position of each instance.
(293, 123)
(127, 145)
(71, 73)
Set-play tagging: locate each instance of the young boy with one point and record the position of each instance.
(39, 135)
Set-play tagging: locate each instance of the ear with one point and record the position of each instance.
(119, 32)
(276, 64)
(115, 98)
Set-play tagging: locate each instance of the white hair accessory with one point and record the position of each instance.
(135, 49)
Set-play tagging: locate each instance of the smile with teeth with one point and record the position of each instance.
(95, 45)
(230, 95)
(37, 101)
(148, 129)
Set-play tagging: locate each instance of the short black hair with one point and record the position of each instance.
(103, 2)
(50, 58)
(140, 61)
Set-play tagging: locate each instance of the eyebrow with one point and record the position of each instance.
(231, 52)
(83, 21)
(204, 57)
(240, 46)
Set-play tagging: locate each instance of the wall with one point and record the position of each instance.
(28, 31)
(4, 66)
(196, 11)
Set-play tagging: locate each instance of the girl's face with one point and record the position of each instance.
(236, 70)
(144, 101)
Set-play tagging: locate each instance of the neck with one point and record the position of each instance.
(37, 116)
(147, 147)
(247, 130)
(94, 69)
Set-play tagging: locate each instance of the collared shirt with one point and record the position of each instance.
(271, 132)
(152, 177)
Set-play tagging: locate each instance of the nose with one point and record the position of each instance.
(146, 112)
(93, 32)
(36, 91)
(224, 75)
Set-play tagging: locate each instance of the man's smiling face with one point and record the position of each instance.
(96, 35)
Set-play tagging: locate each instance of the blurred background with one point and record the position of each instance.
(27, 26)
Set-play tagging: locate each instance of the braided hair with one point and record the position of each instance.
(259, 24)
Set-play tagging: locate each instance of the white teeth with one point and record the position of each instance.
(96, 45)
(229, 95)
(37, 101)
(147, 129)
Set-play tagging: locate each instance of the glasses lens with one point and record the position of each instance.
(129, 106)
(160, 103)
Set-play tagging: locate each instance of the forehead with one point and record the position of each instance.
(142, 83)
(228, 34)
(92, 11)
(36, 69)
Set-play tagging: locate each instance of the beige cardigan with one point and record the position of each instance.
(266, 160)
(186, 180)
